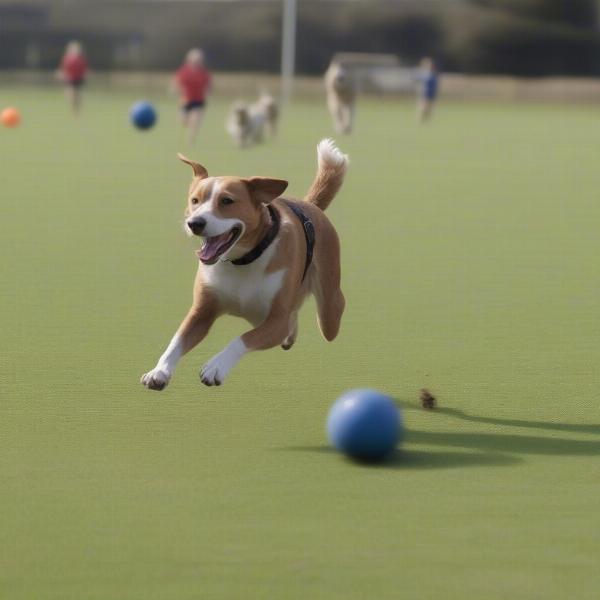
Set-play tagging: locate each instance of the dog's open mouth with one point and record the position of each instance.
(216, 246)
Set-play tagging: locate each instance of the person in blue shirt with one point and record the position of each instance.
(428, 79)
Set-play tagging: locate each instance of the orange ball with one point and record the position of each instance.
(10, 117)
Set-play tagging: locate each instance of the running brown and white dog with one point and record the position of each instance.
(262, 256)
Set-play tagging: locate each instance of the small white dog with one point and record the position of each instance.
(268, 106)
(248, 124)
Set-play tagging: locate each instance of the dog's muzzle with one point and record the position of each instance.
(196, 225)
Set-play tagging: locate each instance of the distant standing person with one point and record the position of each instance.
(193, 81)
(428, 78)
(73, 71)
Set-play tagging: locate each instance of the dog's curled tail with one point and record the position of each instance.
(332, 165)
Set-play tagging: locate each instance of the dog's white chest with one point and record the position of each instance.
(246, 290)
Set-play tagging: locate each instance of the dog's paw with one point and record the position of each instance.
(217, 368)
(214, 371)
(157, 379)
(289, 341)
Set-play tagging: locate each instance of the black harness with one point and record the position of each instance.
(309, 232)
(307, 227)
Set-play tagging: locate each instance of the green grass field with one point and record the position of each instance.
(470, 266)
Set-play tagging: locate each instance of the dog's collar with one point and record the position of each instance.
(256, 252)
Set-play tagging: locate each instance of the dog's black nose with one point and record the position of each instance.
(197, 225)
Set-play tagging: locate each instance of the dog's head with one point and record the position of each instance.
(266, 100)
(228, 212)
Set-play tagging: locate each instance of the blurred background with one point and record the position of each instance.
(524, 38)
(470, 250)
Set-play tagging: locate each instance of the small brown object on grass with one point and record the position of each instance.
(427, 399)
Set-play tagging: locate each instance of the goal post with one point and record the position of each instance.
(288, 49)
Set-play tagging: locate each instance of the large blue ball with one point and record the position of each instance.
(143, 115)
(364, 424)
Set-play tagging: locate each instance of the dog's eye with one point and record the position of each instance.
(194, 200)
(226, 201)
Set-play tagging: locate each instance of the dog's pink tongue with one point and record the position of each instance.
(212, 246)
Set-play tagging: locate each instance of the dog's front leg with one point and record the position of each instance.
(191, 332)
(268, 334)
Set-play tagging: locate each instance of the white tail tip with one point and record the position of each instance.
(330, 155)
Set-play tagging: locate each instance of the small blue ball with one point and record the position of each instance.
(364, 424)
(143, 115)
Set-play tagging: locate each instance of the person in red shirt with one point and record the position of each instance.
(193, 81)
(73, 69)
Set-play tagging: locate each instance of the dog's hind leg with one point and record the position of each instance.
(330, 308)
(290, 340)
(340, 120)
(327, 291)
(348, 118)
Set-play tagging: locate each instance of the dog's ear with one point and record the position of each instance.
(199, 170)
(266, 189)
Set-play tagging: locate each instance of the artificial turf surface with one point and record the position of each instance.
(470, 266)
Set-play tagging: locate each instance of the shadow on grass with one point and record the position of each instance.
(480, 449)
(593, 428)
(501, 442)
(507, 442)
(418, 459)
